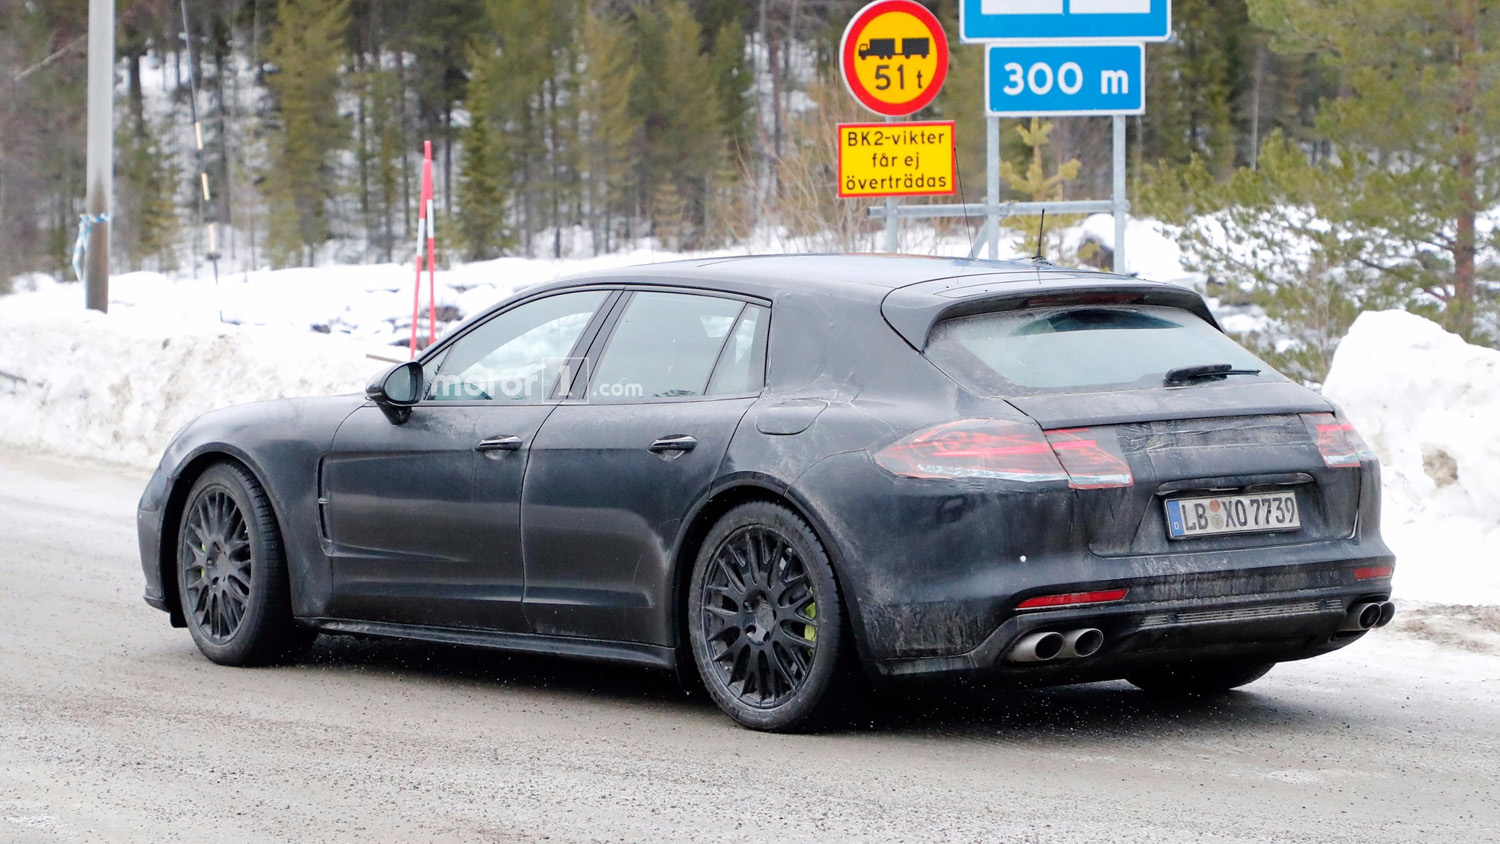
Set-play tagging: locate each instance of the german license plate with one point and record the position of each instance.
(1220, 514)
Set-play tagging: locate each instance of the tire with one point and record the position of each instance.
(231, 573)
(1197, 681)
(766, 622)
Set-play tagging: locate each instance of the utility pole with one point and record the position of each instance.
(101, 150)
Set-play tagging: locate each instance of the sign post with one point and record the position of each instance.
(1042, 58)
(894, 57)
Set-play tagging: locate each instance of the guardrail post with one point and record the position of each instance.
(892, 222)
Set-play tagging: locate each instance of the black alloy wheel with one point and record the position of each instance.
(231, 574)
(217, 570)
(766, 621)
(760, 616)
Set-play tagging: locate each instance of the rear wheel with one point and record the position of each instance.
(766, 621)
(231, 574)
(1200, 680)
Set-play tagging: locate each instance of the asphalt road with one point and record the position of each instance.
(113, 728)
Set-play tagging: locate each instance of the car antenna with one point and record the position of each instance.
(1041, 230)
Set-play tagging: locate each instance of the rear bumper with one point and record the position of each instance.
(935, 571)
(1265, 615)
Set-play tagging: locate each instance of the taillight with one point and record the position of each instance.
(974, 448)
(1009, 450)
(1092, 459)
(1338, 442)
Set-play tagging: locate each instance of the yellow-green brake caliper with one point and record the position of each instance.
(810, 632)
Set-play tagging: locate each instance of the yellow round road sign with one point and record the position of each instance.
(895, 57)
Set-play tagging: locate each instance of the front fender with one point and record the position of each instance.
(282, 444)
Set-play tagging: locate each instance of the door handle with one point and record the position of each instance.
(673, 442)
(509, 442)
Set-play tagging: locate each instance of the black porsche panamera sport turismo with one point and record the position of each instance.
(790, 476)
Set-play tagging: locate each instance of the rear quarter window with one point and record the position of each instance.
(1081, 349)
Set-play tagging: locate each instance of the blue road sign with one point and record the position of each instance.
(1065, 80)
(1076, 21)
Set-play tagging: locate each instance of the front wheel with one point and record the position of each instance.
(766, 621)
(1199, 680)
(231, 573)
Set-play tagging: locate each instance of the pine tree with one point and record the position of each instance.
(609, 129)
(1259, 233)
(682, 116)
(386, 144)
(528, 61)
(733, 78)
(1191, 85)
(1413, 131)
(481, 198)
(1036, 185)
(306, 52)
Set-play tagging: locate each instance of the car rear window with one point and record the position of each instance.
(1081, 348)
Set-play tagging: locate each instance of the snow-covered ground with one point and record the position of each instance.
(1429, 404)
(117, 387)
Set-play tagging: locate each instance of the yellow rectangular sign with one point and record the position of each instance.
(897, 159)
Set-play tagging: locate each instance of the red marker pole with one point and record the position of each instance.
(426, 236)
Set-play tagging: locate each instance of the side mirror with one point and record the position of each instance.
(396, 390)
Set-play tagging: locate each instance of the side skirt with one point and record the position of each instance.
(650, 656)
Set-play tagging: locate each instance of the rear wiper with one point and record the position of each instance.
(1193, 374)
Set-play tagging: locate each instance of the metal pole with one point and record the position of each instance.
(101, 149)
(892, 222)
(992, 185)
(1120, 203)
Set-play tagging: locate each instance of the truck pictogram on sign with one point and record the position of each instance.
(885, 48)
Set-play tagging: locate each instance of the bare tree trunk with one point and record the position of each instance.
(1466, 167)
(448, 159)
(406, 221)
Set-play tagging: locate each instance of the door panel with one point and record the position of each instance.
(614, 472)
(424, 518)
(398, 505)
(602, 510)
(424, 529)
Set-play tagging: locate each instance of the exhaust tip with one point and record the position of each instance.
(1082, 643)
(1387, 612)
(1362, 617)
(1038, 647)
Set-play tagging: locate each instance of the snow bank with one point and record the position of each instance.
(116, 388)
(372, 303)
(1429, 404)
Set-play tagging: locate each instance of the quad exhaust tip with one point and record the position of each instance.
(1046, 646)
(1082, 643)
(1038, 647)
(1387, 612)
(1364, 616)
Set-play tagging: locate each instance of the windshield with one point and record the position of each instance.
(1082, 349)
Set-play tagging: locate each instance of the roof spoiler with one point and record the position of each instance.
(914, 309)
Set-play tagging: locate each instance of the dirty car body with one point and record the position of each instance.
(974, 502)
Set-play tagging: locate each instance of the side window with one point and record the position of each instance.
(742, 366)
(519, 354)
(664, 346)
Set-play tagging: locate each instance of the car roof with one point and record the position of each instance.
(852, 275)
(912, 291)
